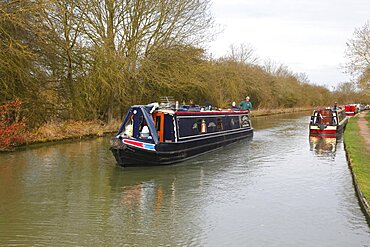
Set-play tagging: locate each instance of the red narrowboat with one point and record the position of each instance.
(328, 122)
(351, 110)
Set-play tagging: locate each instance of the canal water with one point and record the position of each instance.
(279, 188)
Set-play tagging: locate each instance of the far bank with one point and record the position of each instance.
(76, 130)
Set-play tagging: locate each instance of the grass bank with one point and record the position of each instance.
(358, 156)
(59, 131)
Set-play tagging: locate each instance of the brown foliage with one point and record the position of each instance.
(90, 60)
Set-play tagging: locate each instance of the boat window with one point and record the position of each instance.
(168, 129)
(245, 121)
(234, 122)
(198, 124)
(220, 125)
(141, 120)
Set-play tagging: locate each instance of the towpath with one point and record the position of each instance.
(364, 129)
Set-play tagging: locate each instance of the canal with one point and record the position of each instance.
(278, 189)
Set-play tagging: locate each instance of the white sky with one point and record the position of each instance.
(309, 36)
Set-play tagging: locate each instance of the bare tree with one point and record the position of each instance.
(129, 30)
(242, 54)
(16, 54)
(364, 80)
(358, 52)
(302, 77)
(23, 52)
(63, 21)
(276, 69)
(135, 27)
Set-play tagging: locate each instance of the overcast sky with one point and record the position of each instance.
(309, 36)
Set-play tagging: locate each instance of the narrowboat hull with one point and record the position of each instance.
(166, 153)
(330, 131)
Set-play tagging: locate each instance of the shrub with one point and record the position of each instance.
(12, 126)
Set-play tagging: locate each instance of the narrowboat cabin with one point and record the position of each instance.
(161, 134)
(328, 122)
(351, 110)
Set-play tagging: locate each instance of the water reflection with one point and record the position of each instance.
(139, 189)
(323, 146)
(165, 204)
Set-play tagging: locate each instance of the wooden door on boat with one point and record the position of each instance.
(159, 124)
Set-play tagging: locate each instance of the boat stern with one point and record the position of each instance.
(323, 130)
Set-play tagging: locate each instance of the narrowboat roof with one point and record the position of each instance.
(187, 109)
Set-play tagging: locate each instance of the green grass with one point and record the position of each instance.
(356, 149)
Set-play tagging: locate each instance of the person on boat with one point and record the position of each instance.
(336, 107)
(208, 105)
(234, 107)
(246, 104)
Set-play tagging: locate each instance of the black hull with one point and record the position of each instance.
(169, 153)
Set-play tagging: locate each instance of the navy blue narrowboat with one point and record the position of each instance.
(161, 134)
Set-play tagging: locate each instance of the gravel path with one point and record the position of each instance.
(364, 129)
